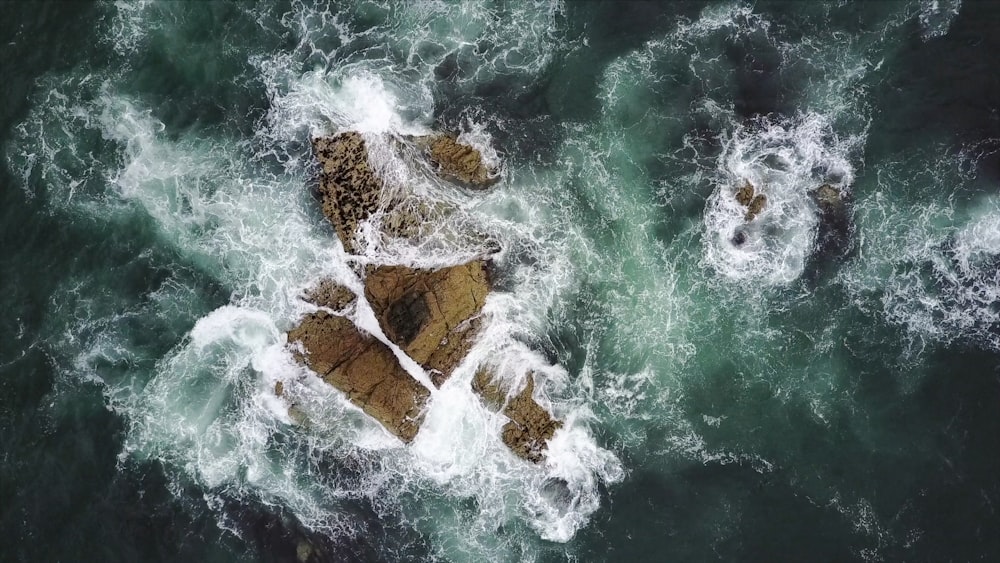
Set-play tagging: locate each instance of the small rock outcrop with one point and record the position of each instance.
(754, 202)
(430, 314)
(828, 197)
(364, 369)
(458, 162)
(530, 427)
(745, 194)
(329, 294)
(835, 228)
(351, 190)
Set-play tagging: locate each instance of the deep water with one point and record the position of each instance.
(827, 390)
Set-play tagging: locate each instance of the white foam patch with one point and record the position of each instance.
(936, 17)
(944, 284)
(787, 162)
(129, 24)
(322, 103)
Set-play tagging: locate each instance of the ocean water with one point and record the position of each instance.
(825, 391)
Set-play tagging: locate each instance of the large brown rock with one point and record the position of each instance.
(363, 368)
(756, 206)
(430, 314)
(745, 194)
(458, 162)
(530, 426)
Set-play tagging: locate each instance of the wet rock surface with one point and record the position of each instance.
(430, 314)
(329, 294)
(352, 192)
(458, 162)
(349, 188)
(835, 228)
(364, 369)
(745, 194)
(757, 205)
(828, 197)
(530, 427)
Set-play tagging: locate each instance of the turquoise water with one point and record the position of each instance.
(821, 392)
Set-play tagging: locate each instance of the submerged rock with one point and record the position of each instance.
(458, 162)
(430, 314)
(363, 368)
(530, 427)
(835, 228)
(740, 238)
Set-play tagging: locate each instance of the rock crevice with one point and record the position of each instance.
(432, 315)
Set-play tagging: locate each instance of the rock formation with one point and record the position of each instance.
(364, 369)
(458, 162)
(754, 203)
(745, 193)
(351, 190)
(329, 294)
(530, 426)
(348, 186)
(431, 314)
(828, 197)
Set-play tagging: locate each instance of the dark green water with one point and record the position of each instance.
(827, 391)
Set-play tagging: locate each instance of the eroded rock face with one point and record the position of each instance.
(530, 427)
(364, 369)
(430, 314)
(352, 191)
(329, 294)
(458, 162)
(349, 188)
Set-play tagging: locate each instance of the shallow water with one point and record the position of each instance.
(821, 391)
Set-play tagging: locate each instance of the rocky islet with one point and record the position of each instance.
(432, 315)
